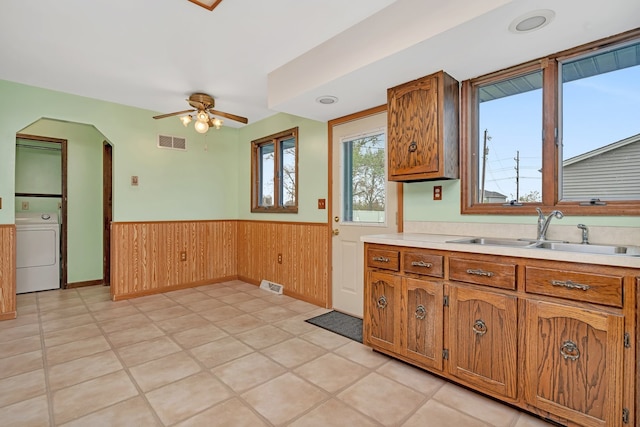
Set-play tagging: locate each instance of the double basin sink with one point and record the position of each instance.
(552, 245)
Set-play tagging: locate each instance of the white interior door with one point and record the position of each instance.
(364, 202)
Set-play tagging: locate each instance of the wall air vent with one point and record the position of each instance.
(172, 142)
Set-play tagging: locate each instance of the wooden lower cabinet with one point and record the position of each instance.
(483, 337)
(558, 339)
(574, 363)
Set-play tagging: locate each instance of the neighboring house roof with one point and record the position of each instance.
(601, 150)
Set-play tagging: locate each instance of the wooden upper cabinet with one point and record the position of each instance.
(423, 129)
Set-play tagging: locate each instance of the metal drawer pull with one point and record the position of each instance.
(479, 327)
(421, 312)
(569, 284)
(381, 259)
(569, 350)
(480, 272)
(413, 147)
(421, 264)
(382, 302)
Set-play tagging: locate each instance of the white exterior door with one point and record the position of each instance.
(364, 202)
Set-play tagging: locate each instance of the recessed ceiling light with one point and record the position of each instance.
(326, 99)
(531, 21)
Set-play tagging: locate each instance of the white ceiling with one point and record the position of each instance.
(260, 57)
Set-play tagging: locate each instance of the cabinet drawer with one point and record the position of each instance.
(487, 273)
(383, 258)
(422, 263)
(575, 285)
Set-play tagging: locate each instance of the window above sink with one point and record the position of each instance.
(558, 132)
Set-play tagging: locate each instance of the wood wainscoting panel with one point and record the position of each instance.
(7, 271)
(303, 270)
(152, 257)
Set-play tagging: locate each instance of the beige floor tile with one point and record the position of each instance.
(21, 387)
(275, 314)
(99, 306)
(294, 352)
(284, 398)
(236, 298)
(411, 376)
(26, 309)
(22, 331)
(300, 306)
(59, 304)
(82, 399)
(63, 313)
(331, 372)
(476, 405)
(232, 413)
(52, 339)
(159, 304)
(134, 335)
(264, 336)
(253, 305)
(219, 291)
(33, 412)
(155, 298)
(67, 323)
(23, 319)
(526, 420)
(182, 323)
(185, 398)
(186, 295)
(26, 299)
(76, 349)
(19, 346)
(145, 351)
(133, 412)
(83, 369)
(362, 354)
(221, 313)
(204, 304)
(334, 413)
(247, 372)
(159, 372)
(220, 351)
(113, 313)
(438, 414)
(325, 339)
(242, 323)
(21, 363)
(124, 322)
(168, 313)
(371, 396)
(198, 336)
(242, 286)
(296, 325)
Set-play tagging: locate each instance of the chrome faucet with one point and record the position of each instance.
(543, 223)
(585, 233)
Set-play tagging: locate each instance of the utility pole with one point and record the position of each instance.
(517, 168)
(485, 154)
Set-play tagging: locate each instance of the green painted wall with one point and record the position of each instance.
(312, 167)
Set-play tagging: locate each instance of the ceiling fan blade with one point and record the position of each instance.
(177, 113)
(229, 116)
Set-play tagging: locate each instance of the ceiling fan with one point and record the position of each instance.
(203, 105)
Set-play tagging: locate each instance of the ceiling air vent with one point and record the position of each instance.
(172, 142)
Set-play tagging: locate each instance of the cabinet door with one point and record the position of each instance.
(483, 337)
(574, 363)
(413, 127)
(380, 307)
(421, 316)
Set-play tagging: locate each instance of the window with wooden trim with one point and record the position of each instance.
(559, 132)
(274, 173)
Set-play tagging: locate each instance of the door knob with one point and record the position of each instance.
(336, 219)
(335, 231)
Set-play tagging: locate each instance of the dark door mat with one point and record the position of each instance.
(339, 323)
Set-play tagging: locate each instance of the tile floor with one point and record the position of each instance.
(227, 354)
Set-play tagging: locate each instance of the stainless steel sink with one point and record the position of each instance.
(520, 243)
(583, 248)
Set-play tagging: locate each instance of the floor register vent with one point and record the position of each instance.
(271, 287)
(172, 142)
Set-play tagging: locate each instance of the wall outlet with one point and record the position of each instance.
(322, 203)
(437, 192)
(134, 180)
(183, 256)
(279, 258)
(25, 206)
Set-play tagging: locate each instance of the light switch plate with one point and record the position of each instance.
(134, 180)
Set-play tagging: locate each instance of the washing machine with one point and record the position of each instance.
(37, 252)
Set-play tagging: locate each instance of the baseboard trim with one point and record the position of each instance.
(288, 293)
(164, 289)
(9, 315)
(85, 283)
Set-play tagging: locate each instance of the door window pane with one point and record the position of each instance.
(364, 179)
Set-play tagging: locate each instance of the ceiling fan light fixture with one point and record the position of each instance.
(217, 123)
(203, 116)
(201, 127)
(185, 120)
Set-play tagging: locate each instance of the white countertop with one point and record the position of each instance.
(442, 242)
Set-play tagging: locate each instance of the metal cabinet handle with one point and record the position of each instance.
(381, 259)
(479, 327)
(479, 272)
(421, 312)
(421, 264)
(570, 285)
(413, 147)
(569, 350)
(382, 302)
